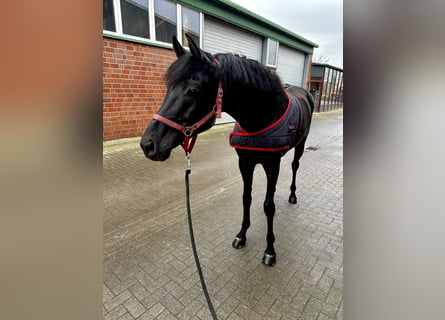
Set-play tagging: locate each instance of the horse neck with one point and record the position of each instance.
(252, 107)
(254, 110)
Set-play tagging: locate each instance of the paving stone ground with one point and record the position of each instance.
(149, 270)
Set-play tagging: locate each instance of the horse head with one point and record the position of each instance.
(192, 85)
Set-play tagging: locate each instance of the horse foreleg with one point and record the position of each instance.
(246, 167)
(272, 171)
(299, 149)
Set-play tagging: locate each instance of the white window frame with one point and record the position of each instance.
(201, 29)
(118, 16)
(266, 53)
(151, 19)
(179, 23)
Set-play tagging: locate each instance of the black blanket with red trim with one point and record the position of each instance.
(282, 135)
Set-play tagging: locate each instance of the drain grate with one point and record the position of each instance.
(312, 148)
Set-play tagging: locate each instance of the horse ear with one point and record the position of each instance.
(194, 49)
(179, 50)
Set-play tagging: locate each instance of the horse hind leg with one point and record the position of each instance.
(246, 167)
(299, 149)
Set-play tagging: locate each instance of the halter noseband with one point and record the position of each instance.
(188, 131)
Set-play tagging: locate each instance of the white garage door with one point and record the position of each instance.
(219, 36)
(290, 65)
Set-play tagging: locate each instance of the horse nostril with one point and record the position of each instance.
(148, 147)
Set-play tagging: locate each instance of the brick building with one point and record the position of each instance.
(137, 51)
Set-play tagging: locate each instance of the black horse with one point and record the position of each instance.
(255, 98)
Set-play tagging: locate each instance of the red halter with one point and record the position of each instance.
(189, 141)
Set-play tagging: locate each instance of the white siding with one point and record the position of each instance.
(291, 65)
(221, 37)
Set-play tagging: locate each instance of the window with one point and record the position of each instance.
(165, 20)
(272, 52)
(135, 18)
(108, 16)
(190, 25)
(151, 20)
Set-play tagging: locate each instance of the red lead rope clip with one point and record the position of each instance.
(187, 145)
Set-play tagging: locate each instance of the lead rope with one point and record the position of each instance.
(192, 238)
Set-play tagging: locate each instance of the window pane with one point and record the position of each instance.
(190, 25)
(273, 50)
(165, 20)
(135, 18)
(108, 16)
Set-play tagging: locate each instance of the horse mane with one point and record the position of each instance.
(234, 70)
(240, 71)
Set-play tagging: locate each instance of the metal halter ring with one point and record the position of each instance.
(188, 131)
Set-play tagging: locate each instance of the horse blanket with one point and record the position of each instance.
(282, 135)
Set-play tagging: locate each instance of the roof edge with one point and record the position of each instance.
(231, 12)
(326, 65)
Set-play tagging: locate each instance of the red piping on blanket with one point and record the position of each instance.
(264, 132)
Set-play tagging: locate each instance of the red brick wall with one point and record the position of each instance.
(133, 86)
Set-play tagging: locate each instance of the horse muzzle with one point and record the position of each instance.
(152, 151)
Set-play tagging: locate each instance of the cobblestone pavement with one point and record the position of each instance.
(149, 271)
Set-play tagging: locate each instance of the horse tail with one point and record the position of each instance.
(311, 100)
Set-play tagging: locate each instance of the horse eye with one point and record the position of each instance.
(192, 92)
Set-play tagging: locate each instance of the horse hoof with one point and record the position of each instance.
(238, 243)
(293, 199)
(269, 259)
